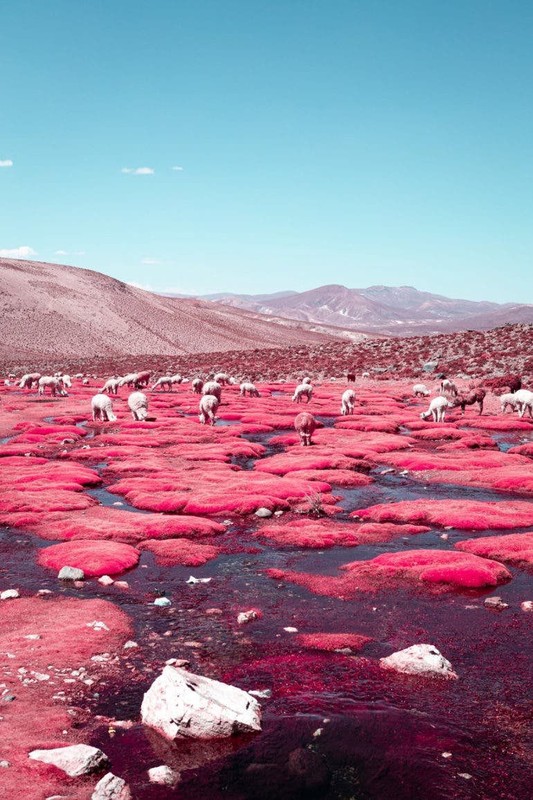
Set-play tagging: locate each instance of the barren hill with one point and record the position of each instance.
(49, 310)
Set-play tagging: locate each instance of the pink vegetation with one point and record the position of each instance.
(432, 569)
(464, 514)
(35, 720)
(333, 641)
(170, 552)
(93, 557)
(515, 548)
(325, 534)
(99, 522)
(42, 501)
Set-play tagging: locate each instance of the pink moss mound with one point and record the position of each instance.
(515, 548)
(375, 532)
(331, 642)
(94, 557)
(336, 477)
(170, 552)
(12, 501)
(463, 514)
(516, 479)
(310, 533)
(432, 569)
(99, 522)
(324, 534)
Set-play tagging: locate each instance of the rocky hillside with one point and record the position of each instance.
(53, 311)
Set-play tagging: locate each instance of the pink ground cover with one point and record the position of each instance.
(432, 570)
(94, 557)
(330, 642)
(463, 514)
(514, 548)
(37, 720)
(170, 552)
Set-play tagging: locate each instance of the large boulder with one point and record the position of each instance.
(420, 659)
(180, 705)
(111, 787)
(75, 759)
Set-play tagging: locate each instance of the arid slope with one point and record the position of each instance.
(51, 310)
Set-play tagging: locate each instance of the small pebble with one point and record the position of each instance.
(9, 594)
(162, 602)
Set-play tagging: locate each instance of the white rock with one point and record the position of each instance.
(97, 625)
(106, 580)
(71, 574)
(420, 659)
(247, 616)
(163, 775)
(192, 579)
(162, 602)
(264, 513)
(111, 788)
(495, 602)
(527, 605)
(180, 704)
(130, 644)
(290, 629)
(76, 759)
(9, 594)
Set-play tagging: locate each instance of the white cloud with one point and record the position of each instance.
(66, 253)
(177, 169)
(6, 163)
(149, 261)
(18, 252)
(138, 170)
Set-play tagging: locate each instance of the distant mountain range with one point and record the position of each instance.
(381, 310)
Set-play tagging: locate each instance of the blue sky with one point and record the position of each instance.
(344, 141)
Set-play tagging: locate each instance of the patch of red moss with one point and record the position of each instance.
(94, 557)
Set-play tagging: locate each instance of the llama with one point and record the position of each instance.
(508, 400)
(142, 380)
(448, 388)
(129, 379)
(27, 381)
(419, 390)
(54, 384)
(138, 404)
(524, 402)
(214, 388)
(102, 408)
(208, 408)
(111, 385)
(250, 388)
(197, 385)
(305, 425)
(348, 402)
(160, 383)
(303, 390)
(475, 396)
(437, 409)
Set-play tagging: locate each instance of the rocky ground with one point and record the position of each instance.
(387, 533)
(473, 354)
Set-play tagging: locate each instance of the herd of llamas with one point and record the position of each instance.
(210, 389)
